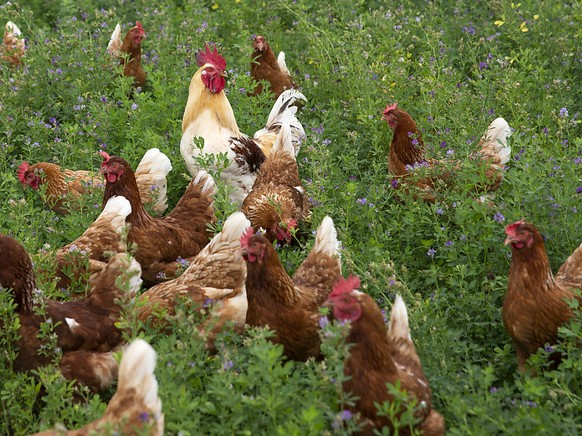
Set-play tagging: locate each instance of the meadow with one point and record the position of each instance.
(453, 65)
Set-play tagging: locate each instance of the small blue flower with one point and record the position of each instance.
(345, 415)
(228, 364)
(323, 322)
(144, 417)
(563, 112)
(134, 106)
(498, 217)
(439, 211)
(362, 201)
(431, 252)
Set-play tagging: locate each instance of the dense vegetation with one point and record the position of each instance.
(453, 65)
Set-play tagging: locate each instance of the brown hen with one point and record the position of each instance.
(278, 203)
(13, 48)
(163, 242)
(536, 302)
(129, 52)
(378, 357)
(264, 66)
(290, 306)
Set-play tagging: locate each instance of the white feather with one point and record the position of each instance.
(399, 320)
(282, 63)
(115, 43)
(497, 134)
(13, 28)
(326, 238)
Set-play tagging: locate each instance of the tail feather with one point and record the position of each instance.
(282, 64)
(493, 143)
(136, 372)
(208, 182)
(326, 239)
(116, 211)
(13, 28)
(114, 46)
(151, 175)
(399, 321)
(284, 140)
(284, 112)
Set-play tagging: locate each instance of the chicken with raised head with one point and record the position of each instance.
(264, 66)
(13, 47)
(536, 302)
(64, 185)
(85, 258)
(208, 115)
(215, 277)
(408, 156)
(378, 357)
(135, 408)
(278, 202)
(163, 242)
(290, 305)
(128, 51)
(86, 329)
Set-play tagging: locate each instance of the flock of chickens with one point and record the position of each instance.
(238, 271)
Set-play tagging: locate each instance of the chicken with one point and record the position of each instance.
(290, 306)
(209, 115)
(536, 302)
(163, 242)
(129, 52)
(407, 155)
(264, 66)
(278, 203)
(13, 48)
(135, 408)
(82, 260)
(63, 185)
(216, 275)
(86, 329)
(378, 357)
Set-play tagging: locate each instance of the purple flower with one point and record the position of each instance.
(563, 112)
(228, 364)
(362, 201)
(483, 65)
(493, 390)
(134, 106)
(431, 252)
(443, 144)
(579, 190)
(498, 217)
(326, 142)
(439, 211)
(394, 183)
(448, 243)
(345, 415)
(549, 349)
(323, 322)
(144, 417)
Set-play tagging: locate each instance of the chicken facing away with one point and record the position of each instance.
(378, 357)
(264, 66)
(101, 239)
(408, 155)
(209, 115)
(86, 329)
(536, 301)
(278, 203)
(128, 51)
(135, 408)
(62, 185)
(290, 306)
(163, 242)
(216, 276)
(13, 48)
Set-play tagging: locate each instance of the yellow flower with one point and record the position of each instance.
(215, 6)
(536, 17)
(499, 23)
(523, 27)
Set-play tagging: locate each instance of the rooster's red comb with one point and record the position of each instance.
(22, 170)
(105, 155)
(246, 236)
(390, 107)
(345, 286)
(511, 228)
(211, 57)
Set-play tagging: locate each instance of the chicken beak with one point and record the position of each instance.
(508, 240)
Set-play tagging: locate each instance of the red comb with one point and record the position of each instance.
(105, 155)
(511, 228)
(345, 286)
(291, 224)
(390, 107)
(247, 234)
(211, 57)
(139, 26)
(21, 170)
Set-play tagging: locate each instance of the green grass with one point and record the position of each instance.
(446, 63)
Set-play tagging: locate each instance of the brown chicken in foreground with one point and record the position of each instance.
(129, 52)
(13, 48)
(408, 156)
(64, 185)
(215, 277)
(378, 357)
(86, 329)
(163, 242)
(290, 306)
(278, 203)
(264, 66)
(536, 302)
(135, 408)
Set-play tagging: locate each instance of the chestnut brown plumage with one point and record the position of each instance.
(408, 155)
(277, 202)
(13, 47)
(290, 306)
(378, 357)
(161, 242)
(129, 52)
(536, 302)
(264, 66)
(86, 329)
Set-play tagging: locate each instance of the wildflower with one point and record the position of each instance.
(549, 349)
(362, 201)
(144, 417)
(323, 322)
(183, 262)
(228, 364)
(443, 144)
(483, 65)
(563, 112)
(493, 390)
(450, 152)
(579, 190)
(498, 217)
(448, 243)
(160, 275)
(431, 252)
(134, 106)
(242, 91)
(394, 183)
(326, 142)
(439, 211)
(462, 237)
(346, 415)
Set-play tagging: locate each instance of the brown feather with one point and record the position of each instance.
(264, 66)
